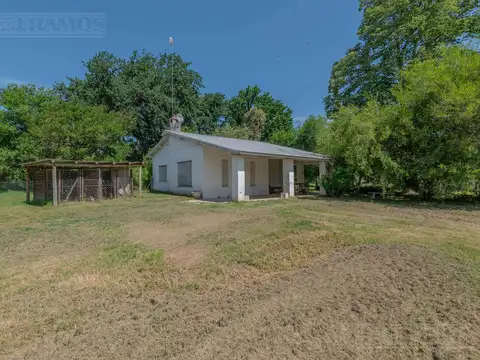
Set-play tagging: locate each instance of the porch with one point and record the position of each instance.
(276, 178)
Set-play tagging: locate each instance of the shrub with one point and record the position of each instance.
(339, 181)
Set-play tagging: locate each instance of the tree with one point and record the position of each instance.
(239, 105)
(309, 134)
(235, 132)
(141, 85)
(392, 34)
(36, 123)
(18, 105)
(75, 131)
(435, 123)
(356, 138)
(284, 138)
(278, 115)
(212, 110)
(255, 120)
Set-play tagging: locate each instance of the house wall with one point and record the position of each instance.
(212, 175)
(178, 150)
(261, 178)
(275, 168)
(212, 183)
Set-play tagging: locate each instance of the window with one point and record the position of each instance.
(162, 173)
(252, 173)
(225, 173)
(184, 174)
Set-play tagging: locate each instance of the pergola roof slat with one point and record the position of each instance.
(75, 164)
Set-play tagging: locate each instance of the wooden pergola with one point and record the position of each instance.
(69, 180)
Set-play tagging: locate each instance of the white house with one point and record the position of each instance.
(225, 168)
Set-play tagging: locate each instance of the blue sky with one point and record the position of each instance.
(287, 47)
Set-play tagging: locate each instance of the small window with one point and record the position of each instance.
(184, 174)
(252, 173)
(162, 173)
(225, 172)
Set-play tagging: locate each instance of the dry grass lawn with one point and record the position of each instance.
(163, 277)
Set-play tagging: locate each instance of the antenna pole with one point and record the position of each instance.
(173, 52)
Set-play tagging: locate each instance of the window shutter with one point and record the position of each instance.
(184, 174)
(252, 173)
(225, 172)
(162, 173)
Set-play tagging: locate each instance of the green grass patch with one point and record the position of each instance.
(133, 254)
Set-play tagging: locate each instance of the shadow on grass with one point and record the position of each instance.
(414, 203)
(38, 203)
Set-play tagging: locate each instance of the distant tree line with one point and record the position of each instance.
(402, 113)
(120, 109)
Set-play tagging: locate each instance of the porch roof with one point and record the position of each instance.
(243, 147)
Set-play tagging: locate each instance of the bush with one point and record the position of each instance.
(339, 181)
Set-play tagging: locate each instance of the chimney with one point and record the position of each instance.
(176, 122)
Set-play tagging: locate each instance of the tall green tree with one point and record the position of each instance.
(151, 87)
(255, 120)
(75, 131)
(235, 132)
(212, 109)
(36, 123)
(392, 34)
(435, 123)
(356, 140)
(310, 134)
(278, 116)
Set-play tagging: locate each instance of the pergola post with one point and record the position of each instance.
(54, 186)
(115, 186)
(27, 185)
(81, 184)
(99, 188)
(140, 181)
(130, 180)
(45, 189)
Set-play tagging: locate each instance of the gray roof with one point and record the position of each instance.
(245, 147)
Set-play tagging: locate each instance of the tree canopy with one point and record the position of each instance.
(143, 85)
(426, 139)
(393, 33)
(37, 123)
(278, 116)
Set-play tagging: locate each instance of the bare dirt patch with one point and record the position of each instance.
(362, 302)
(176, 237)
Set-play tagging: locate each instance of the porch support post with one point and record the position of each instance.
(238, 178)
(322, 166)
(300, 172)
(54, 186)
(288, 177)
